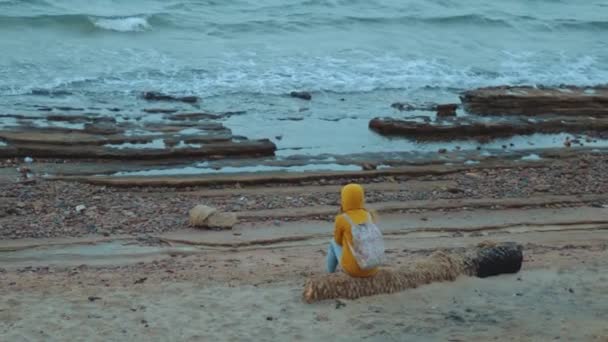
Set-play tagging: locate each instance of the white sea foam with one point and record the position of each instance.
(347, 72)
(126, 24)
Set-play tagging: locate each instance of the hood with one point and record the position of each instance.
(352, 197)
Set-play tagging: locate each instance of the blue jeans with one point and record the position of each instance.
(334, 253)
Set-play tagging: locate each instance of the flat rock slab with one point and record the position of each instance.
(248, 148)
(465, 128)
(180, 126)
(506, 100)
(69, 137)
(158, 96)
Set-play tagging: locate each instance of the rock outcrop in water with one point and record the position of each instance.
(157, 96)
(304, 95)
(103, 138)
(465, 128)
(160, 110)
(566, 101)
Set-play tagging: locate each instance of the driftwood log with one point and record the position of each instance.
(487, 259)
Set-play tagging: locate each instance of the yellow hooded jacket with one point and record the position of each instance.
(353, 205)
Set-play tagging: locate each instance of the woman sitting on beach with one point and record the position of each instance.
(360, 253)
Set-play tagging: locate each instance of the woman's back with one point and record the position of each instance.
(353, 206)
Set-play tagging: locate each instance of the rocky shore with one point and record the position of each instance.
(524, 111)
(165, 137)
(48, 208)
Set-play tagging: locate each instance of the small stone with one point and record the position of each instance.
(442, 151)
(455, 317)
(200, 214)
(141, 280)
(279, 137)
(80, 208)
(571, 290)
(93, 298)
(269, 318)
(222, 220)
(322, 317)
(189, 99)
(340, 304)
(304, 95)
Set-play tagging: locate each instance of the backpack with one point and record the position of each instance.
(368, 245)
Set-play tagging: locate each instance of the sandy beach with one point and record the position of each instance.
(180, 283)
(256, 293)
(171, 170)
